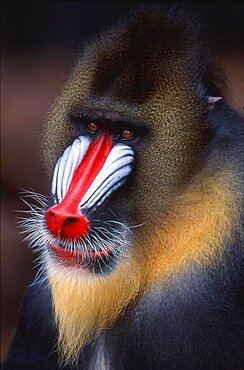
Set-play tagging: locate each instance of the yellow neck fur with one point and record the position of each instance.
(192, 231)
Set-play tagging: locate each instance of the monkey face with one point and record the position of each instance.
(140, 78)
(122, 141)
(82, 228)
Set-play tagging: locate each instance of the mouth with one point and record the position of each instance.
(78, 258)
(85, 178)
(98, 252)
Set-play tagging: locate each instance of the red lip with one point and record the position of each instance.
(74, 257)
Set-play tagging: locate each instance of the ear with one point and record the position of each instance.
(211, 100)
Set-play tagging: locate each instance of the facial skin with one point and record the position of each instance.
(90, 170)
(84, 178)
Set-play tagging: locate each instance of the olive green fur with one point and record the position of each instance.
(146, 68)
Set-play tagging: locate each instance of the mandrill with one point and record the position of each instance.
(141, 240)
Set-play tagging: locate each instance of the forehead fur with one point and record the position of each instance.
(146, 53)
(147, 68)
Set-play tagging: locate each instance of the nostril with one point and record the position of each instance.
(53, 222)
(74, 227)
(70, 220)
(65, 225)
(52, 215)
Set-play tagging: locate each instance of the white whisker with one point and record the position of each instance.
(108, 234)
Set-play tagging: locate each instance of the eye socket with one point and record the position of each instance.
(126, 134)
(93, 127)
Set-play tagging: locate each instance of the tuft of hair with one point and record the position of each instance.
(84, 306)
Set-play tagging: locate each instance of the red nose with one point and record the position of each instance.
(64, 219)
(64, 225)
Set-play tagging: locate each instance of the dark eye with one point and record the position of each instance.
(126, 134)
(93, 127)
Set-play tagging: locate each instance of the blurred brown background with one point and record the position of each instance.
(40, 41)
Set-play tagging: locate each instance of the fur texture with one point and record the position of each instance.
(150, 69)
(85, 306)
(180, 281)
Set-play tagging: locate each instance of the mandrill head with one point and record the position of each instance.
(124, 141)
